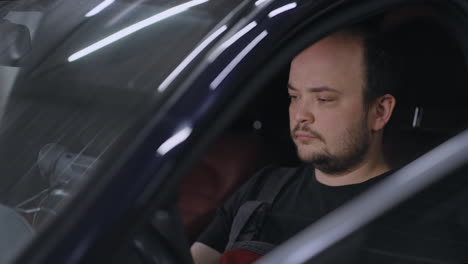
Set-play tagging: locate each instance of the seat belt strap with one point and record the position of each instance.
(274, 184)
(268, 193)
(240, 220)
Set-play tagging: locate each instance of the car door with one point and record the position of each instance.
(131, 204)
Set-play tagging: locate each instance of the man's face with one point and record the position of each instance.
(327, 116)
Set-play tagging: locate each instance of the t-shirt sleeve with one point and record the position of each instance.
(216, 235)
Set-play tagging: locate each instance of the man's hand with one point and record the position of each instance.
(203, 254)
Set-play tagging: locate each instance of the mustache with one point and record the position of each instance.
(307, 130)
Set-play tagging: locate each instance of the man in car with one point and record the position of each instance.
(340, 102)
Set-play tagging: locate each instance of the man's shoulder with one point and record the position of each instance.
(273, 178)
(273, 171)
(270, 179)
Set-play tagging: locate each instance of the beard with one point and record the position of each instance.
(353, 146)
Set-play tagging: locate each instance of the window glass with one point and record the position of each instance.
(75, 77)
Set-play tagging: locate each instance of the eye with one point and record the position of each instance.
(292, 97)
(324, 99)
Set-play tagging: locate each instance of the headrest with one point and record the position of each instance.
(434, 82)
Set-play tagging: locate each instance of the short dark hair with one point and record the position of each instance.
(382, 74)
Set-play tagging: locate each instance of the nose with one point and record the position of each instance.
(301, 113)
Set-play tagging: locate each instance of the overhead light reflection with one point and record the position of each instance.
(232, 39)
(259, 2)
(134, 28)
(175, 140)
(189, 58)
(236, 60)
(282, 9)
(99, 8)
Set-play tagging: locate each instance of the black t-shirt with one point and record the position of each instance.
(407, 232)
(300, 203)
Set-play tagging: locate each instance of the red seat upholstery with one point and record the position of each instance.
(229, 162)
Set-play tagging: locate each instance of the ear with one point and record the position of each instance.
(381, 111)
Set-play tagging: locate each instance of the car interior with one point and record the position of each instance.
(430, 109)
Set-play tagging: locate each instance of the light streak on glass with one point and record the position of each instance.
(99, 8)
(282, 9)
(175, 140)
(134, 28)
(189, 58)
(259, 2)
(232, 39)
(236, 60)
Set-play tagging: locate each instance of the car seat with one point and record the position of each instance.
(228, 163)
(433, 90)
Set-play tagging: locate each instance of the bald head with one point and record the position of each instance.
(336, 61)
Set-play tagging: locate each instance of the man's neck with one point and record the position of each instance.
(368, 169)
